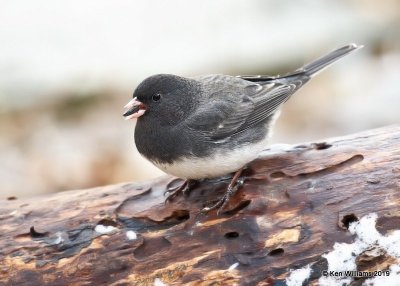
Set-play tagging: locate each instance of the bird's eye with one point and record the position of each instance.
(156, 97)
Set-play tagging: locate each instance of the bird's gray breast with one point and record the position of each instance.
(166, 145)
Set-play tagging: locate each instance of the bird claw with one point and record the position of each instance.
(185, 188)
(233, 187)
(182, 189)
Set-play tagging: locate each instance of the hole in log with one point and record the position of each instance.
(275, 252)
(231, 235)
(36, 234)
(108, 222)
(348, 219)
(181, 215)
(321, 146)
(277, 175)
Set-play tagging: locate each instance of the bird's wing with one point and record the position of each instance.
(218, 119)
(233, 109)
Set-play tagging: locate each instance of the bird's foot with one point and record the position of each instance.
(182, 189)
(233, 187)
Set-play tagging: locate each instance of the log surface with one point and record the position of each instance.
(296, 202)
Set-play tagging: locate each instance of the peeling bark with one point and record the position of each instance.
(296, 202)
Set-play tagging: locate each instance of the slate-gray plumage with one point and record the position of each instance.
(208, 126)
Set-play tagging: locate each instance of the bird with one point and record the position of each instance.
(204, 127)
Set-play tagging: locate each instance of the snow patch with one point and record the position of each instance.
(131, 235)
(158, 282)
(104, 229)
(298, 276)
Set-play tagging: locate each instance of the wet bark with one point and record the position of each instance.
(296, 202)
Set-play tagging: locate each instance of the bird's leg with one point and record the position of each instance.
(233, 187)
(184, 189)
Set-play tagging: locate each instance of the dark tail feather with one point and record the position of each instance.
(319, 64)
(309, 70)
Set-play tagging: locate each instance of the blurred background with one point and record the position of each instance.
(68, 67)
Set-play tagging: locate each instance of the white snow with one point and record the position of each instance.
(298, 276)
(158, 282)
(105, 229)
(131, 235)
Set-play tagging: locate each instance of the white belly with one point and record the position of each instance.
(214, 166)
(221, 163)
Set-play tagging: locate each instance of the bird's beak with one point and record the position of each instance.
(135, 109)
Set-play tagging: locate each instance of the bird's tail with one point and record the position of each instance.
(319, 64)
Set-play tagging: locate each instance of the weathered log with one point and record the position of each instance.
(296, 202)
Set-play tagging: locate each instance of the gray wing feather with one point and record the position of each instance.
(227, 115)
(217, 119)
(269, 103)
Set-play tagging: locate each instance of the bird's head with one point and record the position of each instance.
(163, 97)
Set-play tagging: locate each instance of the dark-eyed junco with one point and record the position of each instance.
(208, 126)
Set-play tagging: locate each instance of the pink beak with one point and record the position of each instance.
(135, 109)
